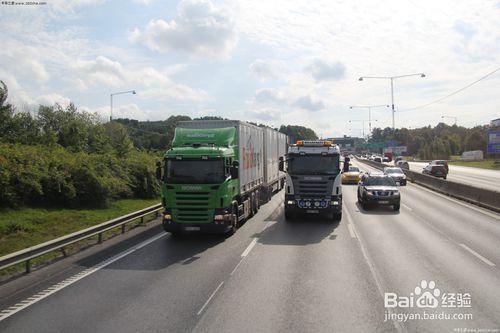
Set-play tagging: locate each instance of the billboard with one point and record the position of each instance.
(495, 123)
(493, 142)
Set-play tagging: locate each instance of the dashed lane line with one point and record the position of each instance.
(4, 314)
(210, 298)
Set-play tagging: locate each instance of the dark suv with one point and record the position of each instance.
(378, 189)
(436, 170)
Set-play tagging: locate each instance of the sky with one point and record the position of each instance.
(274, 62)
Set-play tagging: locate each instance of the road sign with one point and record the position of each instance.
(493, 142)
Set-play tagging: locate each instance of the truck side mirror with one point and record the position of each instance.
(158, 170)
(281, 165)
(234, 170)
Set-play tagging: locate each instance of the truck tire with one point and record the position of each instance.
(337, 217)
(235, 222)
(288, 215)
(252, 205)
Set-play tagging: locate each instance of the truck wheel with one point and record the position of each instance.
(255, 203)
(337, 216)
(235, 222)
(252, 205)
(288, 215)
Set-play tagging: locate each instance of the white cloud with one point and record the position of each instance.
(148, 81)
(199, 29)
(265, 114)
(309, 103)
(325, 71)
(268, 95)
(51, 99)
(267, 69)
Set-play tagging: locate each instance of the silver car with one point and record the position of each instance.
(397, 174)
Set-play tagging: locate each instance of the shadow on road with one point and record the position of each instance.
(303, 230)
(377, 210)
(163, 252)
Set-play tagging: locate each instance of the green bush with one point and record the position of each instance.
(54, 176)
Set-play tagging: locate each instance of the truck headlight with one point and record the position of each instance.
(334, 203)
(167, 217)
(290, 202)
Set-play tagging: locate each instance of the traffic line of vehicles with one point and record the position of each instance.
(219, 172)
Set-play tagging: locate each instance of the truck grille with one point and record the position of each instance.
(192, 207)
(312, 189)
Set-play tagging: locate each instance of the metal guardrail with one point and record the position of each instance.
(26, 255)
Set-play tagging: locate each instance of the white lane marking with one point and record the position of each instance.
(249, 247)
(350, 225)
(69, 281)
(351, 230)
(477, 255)
(237, 265)
(378, 281)
(407, 207)
(210, 298)
(462, 203)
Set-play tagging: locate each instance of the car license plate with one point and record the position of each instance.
(312, 211)
(192, 228)
(383, 202)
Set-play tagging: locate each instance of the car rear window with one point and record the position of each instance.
(383, 181)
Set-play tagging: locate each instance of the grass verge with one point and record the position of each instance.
(21, 228)
(486, 164)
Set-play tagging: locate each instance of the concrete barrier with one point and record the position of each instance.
(481, 197)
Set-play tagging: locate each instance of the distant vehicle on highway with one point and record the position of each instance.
(397, 174)
(352, 176)
(397, 159)
(435, 170)
(386, 159)
(377, 159)
(443, 163)
(379, 190)
(403, 165)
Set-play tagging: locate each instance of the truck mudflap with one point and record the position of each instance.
(215, 227)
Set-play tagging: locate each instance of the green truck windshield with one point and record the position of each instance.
(195, 172)
(314, 164)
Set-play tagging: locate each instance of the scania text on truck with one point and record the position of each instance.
(217, 173)
(313, 179)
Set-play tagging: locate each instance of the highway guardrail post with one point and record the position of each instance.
(28, 266)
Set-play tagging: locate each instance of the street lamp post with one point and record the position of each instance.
(392, 78)
(111, 100)
(363, 121)
(369, 107)
(454, 118)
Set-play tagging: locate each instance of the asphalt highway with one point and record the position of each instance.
(483, 178)
(307, 275)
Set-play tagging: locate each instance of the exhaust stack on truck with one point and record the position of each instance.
(217, 173)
